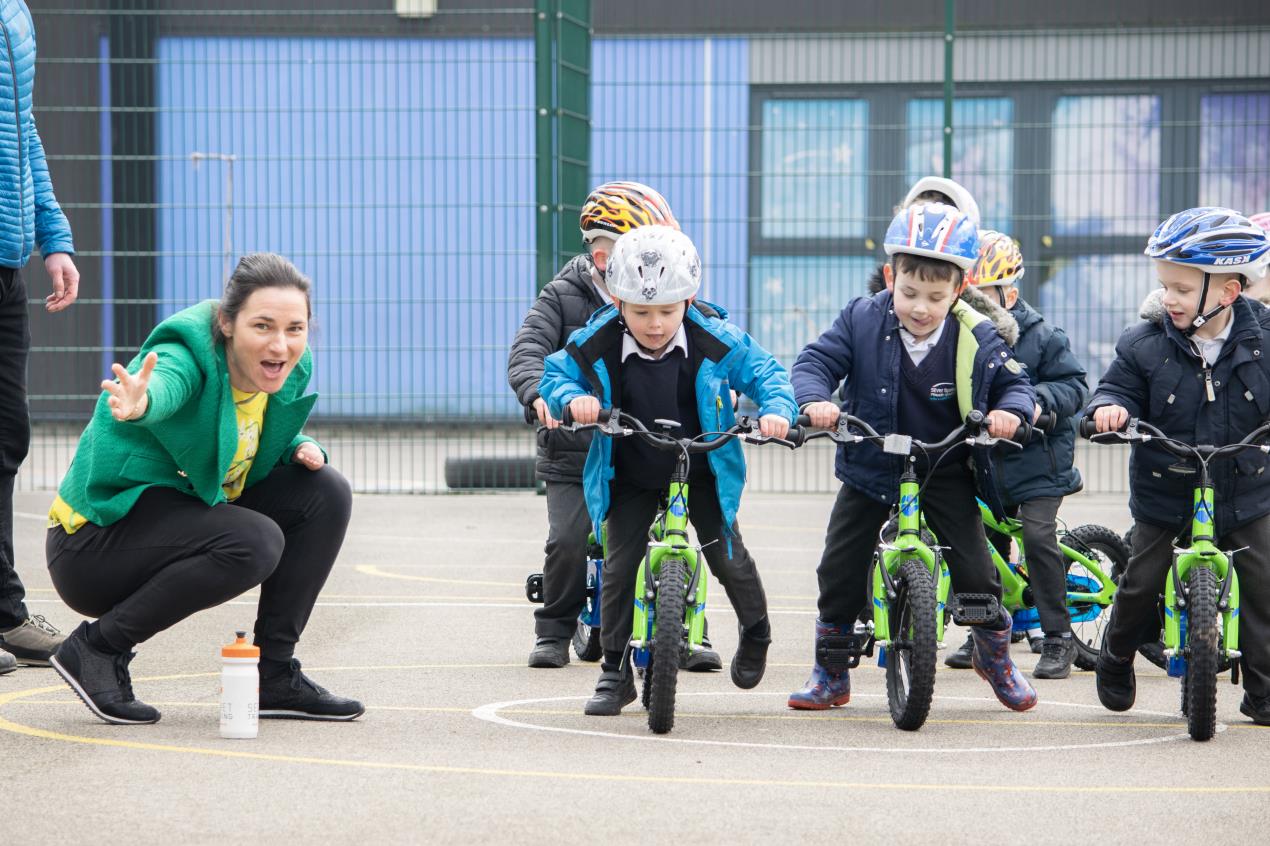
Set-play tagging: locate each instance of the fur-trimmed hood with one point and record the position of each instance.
(1007, 327)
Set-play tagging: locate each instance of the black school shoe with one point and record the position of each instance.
(101, 680)
(750, 659)
(1258, 710)
(291, 695)
(549, 653)
(1117, 687)
(614, 690)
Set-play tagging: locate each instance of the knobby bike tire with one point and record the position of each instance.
(1114, 554)
(667, 643)
(586, 642)
(1199, 685)
(913, 662)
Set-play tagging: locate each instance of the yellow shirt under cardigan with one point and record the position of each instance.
(250, 411)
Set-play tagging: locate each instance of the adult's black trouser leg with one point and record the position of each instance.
(564, 569)
(172, 556)
(1046, 564)
(15, 433)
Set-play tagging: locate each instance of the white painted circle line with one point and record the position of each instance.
(489, 713)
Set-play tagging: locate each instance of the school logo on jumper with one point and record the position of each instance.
(942, 391)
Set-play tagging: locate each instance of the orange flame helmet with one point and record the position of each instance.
(1000, 261)
(615, 208)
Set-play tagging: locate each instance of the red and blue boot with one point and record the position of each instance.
(829, 686)
(991, 660)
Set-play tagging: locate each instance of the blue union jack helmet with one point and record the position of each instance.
(936, 231)
(1212, 239)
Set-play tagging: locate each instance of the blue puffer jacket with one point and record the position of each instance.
(1158, 377)
(725, 357)
(30, 213)
(1044, 467)
(863, 347)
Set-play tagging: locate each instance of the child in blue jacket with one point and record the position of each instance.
(656, 355)
(912, 359)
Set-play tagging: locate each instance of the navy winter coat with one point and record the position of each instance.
(863, 347)
(1158, 376)
(1044, 467)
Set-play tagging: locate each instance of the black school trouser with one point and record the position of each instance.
(1046, 564)
(172, 556)
(15, 433)
(948, 501)
(631, 512)
(564, 570)
(1135, 614)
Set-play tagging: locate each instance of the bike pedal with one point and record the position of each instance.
(975, 609)
(837, 653)
(533, 588)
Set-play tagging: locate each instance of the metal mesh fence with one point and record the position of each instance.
(423, 163)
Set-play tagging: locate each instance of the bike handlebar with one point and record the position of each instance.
(616, 423)
(973, 431)
(1139, 431)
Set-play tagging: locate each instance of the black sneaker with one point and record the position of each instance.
(704, 660)
(613, 691)
(549, 652)
(1036, 644)
(750, 660)
(961, 659)
(1117, 687)
(1057, 655)
(1258, 710)
(101, 680)
(294, 696)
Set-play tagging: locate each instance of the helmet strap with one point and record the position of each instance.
(1001, 296)
(1202, 318)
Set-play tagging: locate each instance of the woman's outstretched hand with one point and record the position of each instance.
(128, 397)
(310, 456)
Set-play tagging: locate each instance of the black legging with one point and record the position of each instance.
(172, 556)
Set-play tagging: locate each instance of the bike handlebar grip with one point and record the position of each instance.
(1088, 428)
(797, 435)
(566, 419)
(1023, 434)
(605, 414)
(531, 416)
(1046, 422)
(805, 420)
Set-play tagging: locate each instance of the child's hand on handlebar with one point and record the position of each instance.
(585, 410)
(544, 414)
(1003, 424)
(824, 415)
(773, 426)
(1111, 418)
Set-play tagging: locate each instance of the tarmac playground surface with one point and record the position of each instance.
(425, 620)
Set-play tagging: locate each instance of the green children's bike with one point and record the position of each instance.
(910, 579)
(670, 584)
(1201, 590)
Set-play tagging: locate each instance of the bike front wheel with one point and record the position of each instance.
(1199, 683)
(910, 666)
(668, 642)
(586, 642)
(1089, 620)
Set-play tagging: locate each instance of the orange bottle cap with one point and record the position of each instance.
(240, 648)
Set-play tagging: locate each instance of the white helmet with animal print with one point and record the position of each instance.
(654, 265)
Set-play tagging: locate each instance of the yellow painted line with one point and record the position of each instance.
(44, 734)
(372, 570)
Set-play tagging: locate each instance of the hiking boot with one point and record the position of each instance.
(991, 660)
(549, 652)
(291, 695)
(703, 660)
(960, 659)
(614, 690)
(825, 688)
(1117, 687)
(101, 680)
(33, 642)
(750, 659)
(7, 663)
(1256, 708)
(1057, 654)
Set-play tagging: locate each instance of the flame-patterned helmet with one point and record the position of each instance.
(1000, 261)
(615, 208)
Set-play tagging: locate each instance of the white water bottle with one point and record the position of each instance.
(239, 689)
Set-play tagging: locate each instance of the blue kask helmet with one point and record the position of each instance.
(1211, 239)
(936, 231)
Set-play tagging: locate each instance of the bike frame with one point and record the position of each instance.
(1201, 553)
(908, 544)
(668, 538)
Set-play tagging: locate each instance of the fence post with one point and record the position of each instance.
(562, 116)
(950, 25)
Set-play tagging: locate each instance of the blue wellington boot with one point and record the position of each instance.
(824, 689)
(992, 661)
